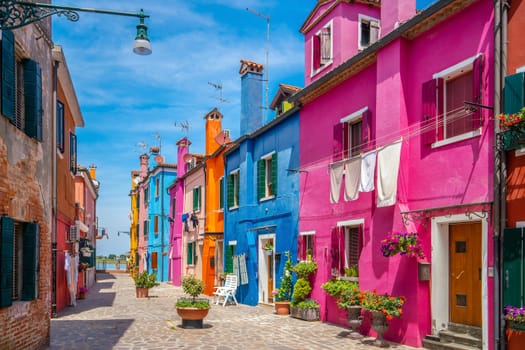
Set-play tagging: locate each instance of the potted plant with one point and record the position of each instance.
(283, 294)
(268, 248)
(143, 282)
(82, 292)
(349, 298)
(192, 310)
(515, 327)
(383, 308)
(302, 307)
(402, 243)
(513, 126)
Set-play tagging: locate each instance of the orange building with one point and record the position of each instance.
(217, 141)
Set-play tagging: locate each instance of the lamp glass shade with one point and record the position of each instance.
(142, 47)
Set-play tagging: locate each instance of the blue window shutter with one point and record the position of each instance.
(33, 99)
(73, 153)
(8, 74)
(30, 261)
(274, 174)
(261, 186)
(6, 260)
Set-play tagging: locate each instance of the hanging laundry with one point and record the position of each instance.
(194, 221)
(185, 217)
(243, 270)
(236, 266)
(388, 160)
(336, 179)
(368, 165)
(352, 178)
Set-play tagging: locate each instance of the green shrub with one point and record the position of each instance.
(335, 287)
(192, 286)
(197, 304)
(146, 280)
(308, 304)
(301, 290)
(303, 269)
(284, 292)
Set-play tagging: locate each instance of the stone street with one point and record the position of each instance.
(111, 317)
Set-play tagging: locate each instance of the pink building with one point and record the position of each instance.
(388, 146)
(143, 195)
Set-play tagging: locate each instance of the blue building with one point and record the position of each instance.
(160, 178)
(262, 190)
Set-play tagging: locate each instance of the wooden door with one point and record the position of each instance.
(465, 273)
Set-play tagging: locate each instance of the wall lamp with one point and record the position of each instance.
(15, 14)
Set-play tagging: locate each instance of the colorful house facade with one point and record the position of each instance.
(262, 190)
(142, 203)
(397, 151)
(159, 179)
(134, 222)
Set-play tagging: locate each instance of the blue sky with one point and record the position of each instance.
(129, 100)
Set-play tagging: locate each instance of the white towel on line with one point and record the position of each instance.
(368, 165)
(336, 179)
(352, 178)
(388, 160)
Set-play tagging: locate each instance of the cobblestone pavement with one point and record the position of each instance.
(111, 317)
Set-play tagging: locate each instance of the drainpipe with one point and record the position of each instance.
(54, 194)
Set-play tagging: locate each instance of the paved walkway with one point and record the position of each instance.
(112, 318)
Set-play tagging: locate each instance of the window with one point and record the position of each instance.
(21, 86)
(157, 187)
(19, 260)
(305, 249)
(229, 252)
(173, 208)
(221, 193)
(146, 229)
(445, 118)
(233, 189)
(197, 199)
(267, 176)
(154, 260)
(73, 153)
(351, 134)
(156, 224)
(368, 31)
(191, 258)
(322, 48)
(60, 126)
(138, 200)
(146, 196)
(346, 246)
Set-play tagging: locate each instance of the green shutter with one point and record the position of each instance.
(230, 191)
(514, 93)
(221, 193)
(513, 264)
(8, 74)
(274, 174)
(228, 267)
(237, 186)
(195, 199)
(33, 99)
(6, 260)
(138, 201)
(190, 254)
(261, 185)
(30, 261)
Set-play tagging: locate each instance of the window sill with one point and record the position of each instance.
(234, 208)
(320, 69)
(267, 198)
(458, 138)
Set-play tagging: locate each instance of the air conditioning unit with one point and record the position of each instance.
(226, 133)
(193, 163)
(73, 233)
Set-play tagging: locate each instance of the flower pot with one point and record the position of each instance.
(192, 317)
(282, 307)
(307, 314)
(142, 292)
(268, 252)
(81, 295)
(354, 320)
(380, 326)
(515, 335)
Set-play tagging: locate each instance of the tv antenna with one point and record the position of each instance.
(184, 126)
(218, 87)
(142, 147)
(266, 106)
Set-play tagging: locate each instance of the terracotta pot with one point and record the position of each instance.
(192, 313)
(142, 292)
(282, 307)
(515, 335)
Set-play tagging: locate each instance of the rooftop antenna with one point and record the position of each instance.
(267, 68)
(157, 136)
(184, 126)
(218, 87)
(142, 147)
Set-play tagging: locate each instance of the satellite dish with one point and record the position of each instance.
(187, 157)
(223, 137)
(159, 159)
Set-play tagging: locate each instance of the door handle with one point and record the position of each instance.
(460, 274)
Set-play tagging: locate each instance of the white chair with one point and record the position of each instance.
(224, 293)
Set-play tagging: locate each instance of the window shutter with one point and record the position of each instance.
(274, 173)
(237, 186)
(366, 120)
(334, 248)
(261, 190)
(326, 45)
(189, 251)
(6, 260)
(301, 249)
(154, 261)
(156, 224)
(33, 99)
(477, 79)
(60, 126)
(73, 153)
(374, 31)
(337, 142)
(440, 108)
(316, 52)
(195, 199)
(30, 261)
(8, 74)
(514, 93)
(429, 119)
(228, 266)
(230, 191)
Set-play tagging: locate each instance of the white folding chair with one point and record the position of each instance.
(224, 293)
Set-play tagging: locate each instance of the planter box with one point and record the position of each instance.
(515, 335)
(305, 314)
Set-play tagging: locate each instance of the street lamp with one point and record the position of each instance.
(15, 14)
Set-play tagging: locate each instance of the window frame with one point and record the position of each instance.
(197, 198)
(191, 252)
(156, 225)
(267, 181)
(234, 179)
(306, 241)
(73, 153)
(317, 62)
(348, 122)
(60, 132)
(364, 18)
(157, 187)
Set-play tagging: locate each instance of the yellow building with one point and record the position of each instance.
(134, 220)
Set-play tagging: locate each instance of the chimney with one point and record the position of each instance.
(213, 128)
(144, 166)
(395, 12)
(251, 96)
(93, 172)
(183, 147)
